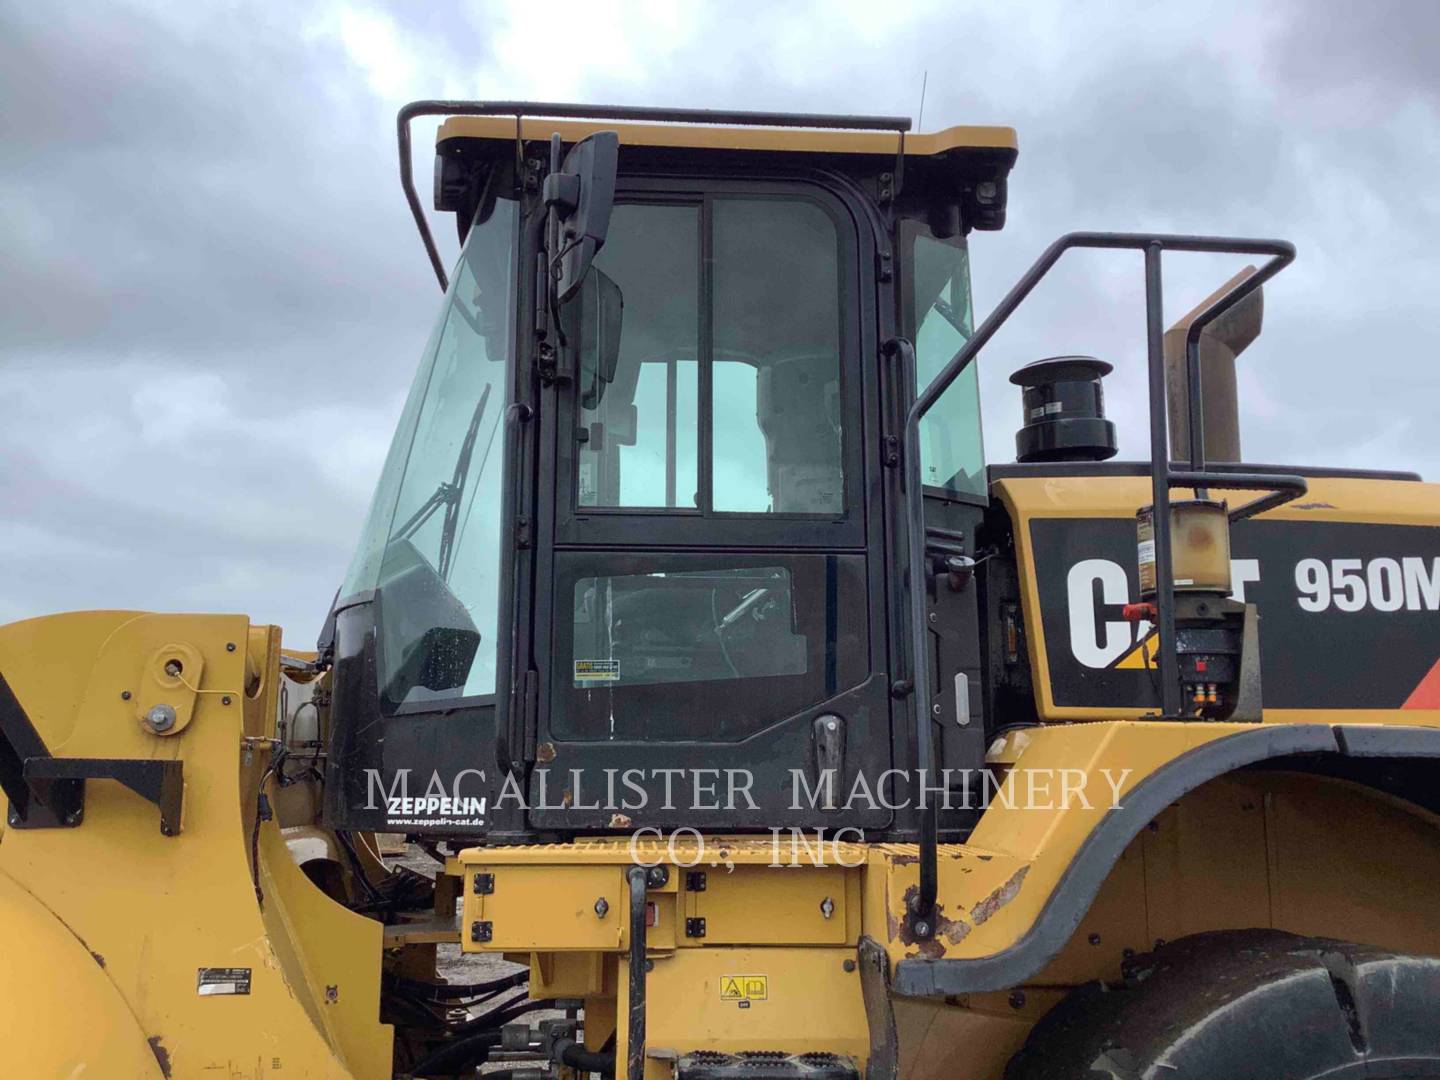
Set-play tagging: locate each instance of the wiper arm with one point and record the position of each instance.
(448, 494)
(457, 486)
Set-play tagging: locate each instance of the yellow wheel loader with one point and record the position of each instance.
(743, 722)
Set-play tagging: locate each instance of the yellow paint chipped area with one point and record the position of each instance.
(706, 137)
(1060, 783)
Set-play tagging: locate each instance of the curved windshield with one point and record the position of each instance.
(952, 454)
(430, 549)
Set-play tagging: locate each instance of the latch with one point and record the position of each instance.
(829, 757)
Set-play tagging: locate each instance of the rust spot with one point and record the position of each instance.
(161, 1054)
(946, 930)
(545, 753)
(1313, 506)
(986, 909)
(568, 799)
(619, 821)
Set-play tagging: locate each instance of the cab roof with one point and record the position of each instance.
(713, 137)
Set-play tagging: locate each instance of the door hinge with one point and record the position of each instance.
(484, 885)
(695, 928)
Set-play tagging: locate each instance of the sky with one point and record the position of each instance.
(212, 298)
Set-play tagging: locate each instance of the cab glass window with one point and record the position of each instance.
(952, 454)
(726, 394)
(430, 548)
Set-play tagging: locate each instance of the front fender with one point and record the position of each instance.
(60, 1015)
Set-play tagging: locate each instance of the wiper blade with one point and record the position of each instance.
(949, 314)
(457, 486)
(448, 494)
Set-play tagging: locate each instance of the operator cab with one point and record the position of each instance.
(643, 509)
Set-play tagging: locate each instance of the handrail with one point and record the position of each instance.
(575, 111)
(922, 910)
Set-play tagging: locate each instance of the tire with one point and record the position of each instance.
(1246, 1005)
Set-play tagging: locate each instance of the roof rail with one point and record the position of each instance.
(573, 111)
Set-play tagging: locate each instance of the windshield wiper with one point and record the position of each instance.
(949, 314)
(448, 494)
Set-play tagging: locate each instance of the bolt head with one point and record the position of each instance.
(225, 700)
(73, 818)
(602, 908)
(827, 907)
(922, 928)
(230, 646)
(161, 717)
(124, 695)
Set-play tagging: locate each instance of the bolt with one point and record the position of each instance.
(827, 907)
(124, 695)
(602, 908)
(830, 725)
(230, 646)
(73, 818)
(935, 709)
(225, 700)
(934, 617)
(161, 718)
(922, 928)
(173, 668)
(332, 994)
(1094, 939)
(1159, 942)
(848, 965)
(1017, 999)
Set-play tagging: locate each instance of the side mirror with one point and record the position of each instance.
(599, 315)
(580, 194)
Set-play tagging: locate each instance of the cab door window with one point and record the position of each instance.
(731, 316)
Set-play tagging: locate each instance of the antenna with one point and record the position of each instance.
(924, 81)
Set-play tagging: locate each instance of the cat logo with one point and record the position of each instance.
(743, 989)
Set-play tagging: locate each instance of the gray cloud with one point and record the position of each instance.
(213, 299)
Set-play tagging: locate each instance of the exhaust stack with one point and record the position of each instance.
(1220, 343)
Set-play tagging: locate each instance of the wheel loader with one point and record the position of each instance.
(742, 721)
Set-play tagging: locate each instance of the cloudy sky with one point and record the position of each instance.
(212, 299)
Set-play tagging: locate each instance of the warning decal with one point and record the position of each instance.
(743, 989)
(597, 670)
(214, 982)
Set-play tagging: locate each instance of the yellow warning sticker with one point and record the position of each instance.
(744, 988)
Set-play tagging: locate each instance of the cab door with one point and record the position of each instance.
(710, 547)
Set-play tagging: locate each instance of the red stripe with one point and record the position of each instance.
(1427, 694)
